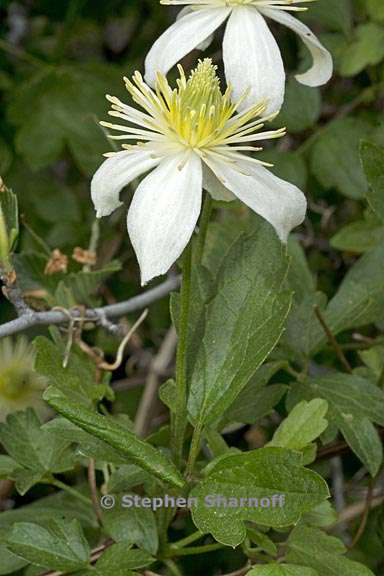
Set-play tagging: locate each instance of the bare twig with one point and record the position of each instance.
(31, 318)
(365, 514)
(355, 510)
(158, 366)
(333, 341)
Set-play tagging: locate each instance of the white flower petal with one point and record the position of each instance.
(322, 68)
(279, 202)
(115, 173)
(181, 38)
(215, 188)
(208, 41)
(252, 60)
(164, 212)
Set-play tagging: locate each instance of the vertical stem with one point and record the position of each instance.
(179, 419)
(203, 226)
(194, 450)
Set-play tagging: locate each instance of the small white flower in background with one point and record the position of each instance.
(250, 53)
(190, 137)
(20, 386)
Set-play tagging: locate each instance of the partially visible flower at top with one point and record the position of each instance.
(190, 137)
(21, 386)
(251, 55)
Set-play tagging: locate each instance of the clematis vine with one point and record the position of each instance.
(188, 138)
(251, 55)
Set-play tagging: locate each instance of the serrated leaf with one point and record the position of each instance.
(372, 157)
(304, 423)
(79, 287)
(60, 545)
(242, 323)
(258, 474)
(132, 526)
(138, 451)
(78, 379)
(354, 403)
(32, 447)
(313, 548)
(282, 570)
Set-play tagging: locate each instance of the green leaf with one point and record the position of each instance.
(262, 541)
(359, 236)
(119, 558)
(358, 301)
(335, 157)
(257, 399)
(9, 562)
(68, 101)
(78, 288)
(77, 379)
(60, 545)
(367, 49)
(354, 403)
(372, 157)
(325, 554)
(258, 474)
(302, 107)
(303, 424)
(241, 323)
(7, 466)
(282, 570)
(32, 447)
(322, 516)
(141, 453)
(135, 525)
(362, 437)
(57, 505)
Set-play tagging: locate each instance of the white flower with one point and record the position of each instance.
(190, 137)
(251, 56)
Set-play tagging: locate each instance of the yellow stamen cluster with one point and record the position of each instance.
(195, 115)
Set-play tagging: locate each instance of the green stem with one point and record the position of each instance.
(194, 550)
(179, 419)
(203, 226)
(173, 568)
(75, 493)
(187, 540)
(194, 450)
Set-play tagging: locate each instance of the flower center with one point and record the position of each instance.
(195, 115)
(198, 109)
